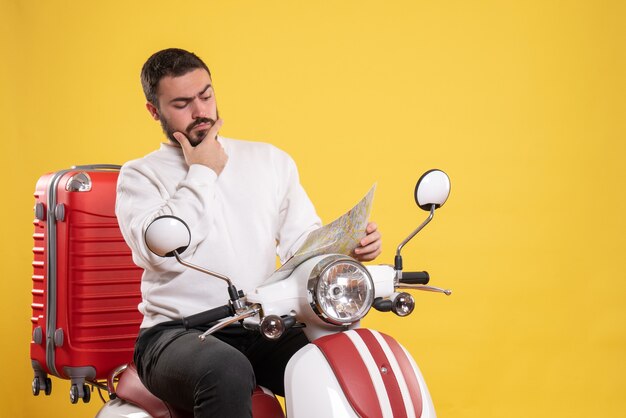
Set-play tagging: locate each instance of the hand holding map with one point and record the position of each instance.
(341, 236)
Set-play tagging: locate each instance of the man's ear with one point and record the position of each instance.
(154, 112)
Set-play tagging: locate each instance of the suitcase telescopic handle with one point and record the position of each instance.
(97, 167)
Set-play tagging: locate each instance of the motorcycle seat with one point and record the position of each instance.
(131, 389)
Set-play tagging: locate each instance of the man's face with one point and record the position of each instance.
(186, 104)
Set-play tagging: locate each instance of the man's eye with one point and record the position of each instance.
(180, 106)
(205, 98)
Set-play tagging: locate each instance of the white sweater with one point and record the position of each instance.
(239, 221)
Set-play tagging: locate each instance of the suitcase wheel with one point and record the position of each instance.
(75, 394)
(86, 394)
(47, 386)
(36, 386)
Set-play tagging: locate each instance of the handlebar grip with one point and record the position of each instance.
(206, 317)
(415, 277)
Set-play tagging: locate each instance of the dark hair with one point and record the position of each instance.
(172, 62)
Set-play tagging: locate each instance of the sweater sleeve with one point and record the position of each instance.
(142, 196)
(297, 216)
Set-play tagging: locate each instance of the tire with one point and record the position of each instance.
(74, 394)
(36, 386)
(48, 388)
(86, 394)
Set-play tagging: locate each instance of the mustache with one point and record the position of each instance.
(198, 122)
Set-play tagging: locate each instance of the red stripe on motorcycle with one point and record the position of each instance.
(408, 372)
(389, 378)
(351, 373)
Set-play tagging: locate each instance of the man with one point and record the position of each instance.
(244, 204)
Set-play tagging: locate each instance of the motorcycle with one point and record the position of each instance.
(345, 370)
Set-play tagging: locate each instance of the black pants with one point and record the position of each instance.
(216, 377)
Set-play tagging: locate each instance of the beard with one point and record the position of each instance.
(195, 138)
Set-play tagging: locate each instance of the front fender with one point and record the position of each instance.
(356, 373)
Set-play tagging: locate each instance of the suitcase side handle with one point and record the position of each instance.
(97, 167)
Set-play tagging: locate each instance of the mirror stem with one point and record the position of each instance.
(398, 260)
(202, 270)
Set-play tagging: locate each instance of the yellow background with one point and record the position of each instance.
(521, 102)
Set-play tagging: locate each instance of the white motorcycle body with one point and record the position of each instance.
(345, 371)
(349, 372)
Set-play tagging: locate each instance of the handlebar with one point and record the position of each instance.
(415, 277)
(206, 317)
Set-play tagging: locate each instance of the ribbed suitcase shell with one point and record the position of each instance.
(85, 285)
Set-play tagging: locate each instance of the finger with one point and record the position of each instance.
(215, 128)
(371, 227)
(374, 246)
(369, 256)
(369, 238)
(182, 140)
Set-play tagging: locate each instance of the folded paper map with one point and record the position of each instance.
(341, 236)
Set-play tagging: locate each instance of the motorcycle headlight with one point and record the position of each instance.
(341, 290)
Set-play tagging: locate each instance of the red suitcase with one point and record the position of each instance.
(85, 285)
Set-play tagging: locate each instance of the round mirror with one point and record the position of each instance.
(433, 188)
(167, 234)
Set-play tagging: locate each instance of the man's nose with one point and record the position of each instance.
(199, 110)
